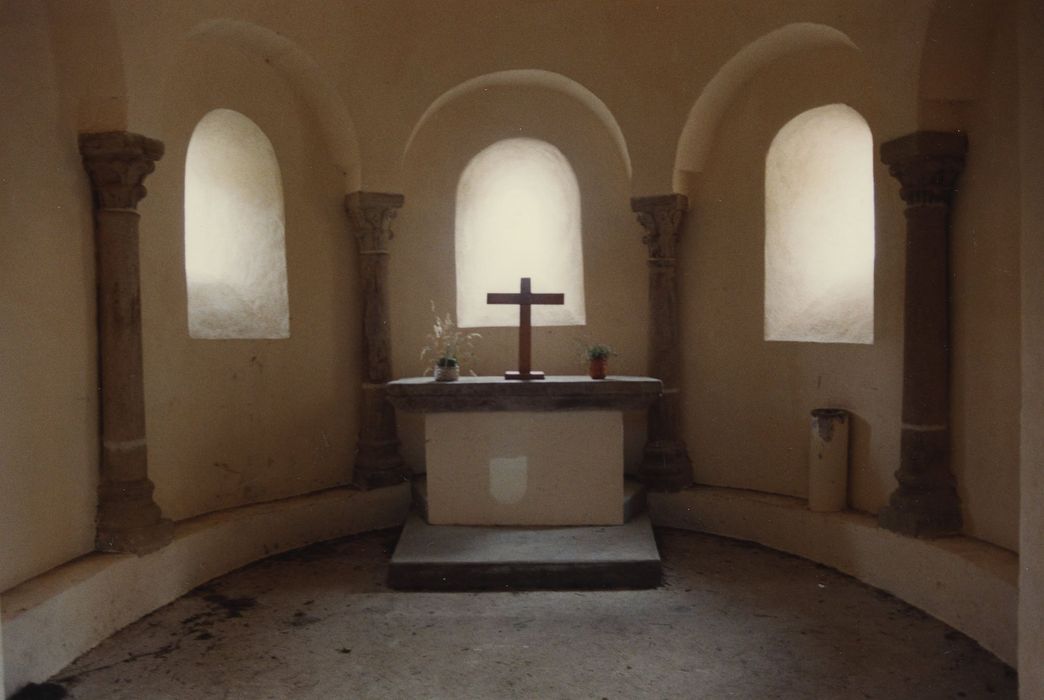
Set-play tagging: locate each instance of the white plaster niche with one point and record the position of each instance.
(819, 229)
(518, 215)
(235, 247)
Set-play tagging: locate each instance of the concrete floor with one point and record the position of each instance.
(732, 621)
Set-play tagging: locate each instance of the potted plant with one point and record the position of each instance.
(447, 369)
(598, 359)
(447, 348)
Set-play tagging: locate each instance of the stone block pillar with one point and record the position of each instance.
(377, 462)
(665, 463)
(927, 165)
(128, 518)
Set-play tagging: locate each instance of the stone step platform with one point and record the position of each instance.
(469, 558)
(634, 503)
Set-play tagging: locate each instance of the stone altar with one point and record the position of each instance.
(543, 453)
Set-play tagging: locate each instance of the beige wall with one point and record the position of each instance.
(390, 61)
(232, 422)
(1031, 163)
(747, 401)
(48, 375)
(985, 304)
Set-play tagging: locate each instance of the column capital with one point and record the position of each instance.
(371, 214)
(117, 163)
(927, 165)
(661, 216)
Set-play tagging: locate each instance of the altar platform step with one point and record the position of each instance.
(473, 558)
(634, 502)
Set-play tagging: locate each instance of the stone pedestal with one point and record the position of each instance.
(927, 165)
(377, 462)
(545, 453)
(128, 518)
(665, 464)
(469, 558)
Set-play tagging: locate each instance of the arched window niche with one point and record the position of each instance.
(819, 229)
(235, 248)
(518, 215)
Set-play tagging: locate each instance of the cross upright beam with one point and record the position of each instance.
(525, 299)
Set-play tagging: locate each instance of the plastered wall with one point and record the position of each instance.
(747, 401)
(240, 421)
(48, 376)
(1031, 166)
(985, 303)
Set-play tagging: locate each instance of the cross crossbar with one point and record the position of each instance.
(525, 299)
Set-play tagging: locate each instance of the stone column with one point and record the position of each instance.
(377, 462)
(927, 165)
(128, 518)
(665, 465)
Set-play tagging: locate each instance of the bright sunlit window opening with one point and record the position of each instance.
(518, 215)
(819, 229)
(235, 249)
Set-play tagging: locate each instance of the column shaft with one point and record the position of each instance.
(128, 518)
(665, 463)
(378, 462)
(927, 164)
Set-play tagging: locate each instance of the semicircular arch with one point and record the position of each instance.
(706, 113)
(308, 79)
(529, 77)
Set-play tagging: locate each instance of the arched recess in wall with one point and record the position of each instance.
(518, 215)
(697, 135)
(306, 77)
(460, 124)
(529, 77)
(819, 229)
(517, 186)
(522, 174)
(235, 247)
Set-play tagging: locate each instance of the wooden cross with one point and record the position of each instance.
(525, 298)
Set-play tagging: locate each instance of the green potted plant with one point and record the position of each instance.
(597, 356)
(447, 369)
(447, 348)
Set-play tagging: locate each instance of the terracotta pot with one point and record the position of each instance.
(447, 374)
(598, 368)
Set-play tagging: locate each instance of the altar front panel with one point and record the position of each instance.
(525, 467)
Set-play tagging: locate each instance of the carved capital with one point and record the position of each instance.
(661, 216)
(927, 165)
(117, 163)
(371, 214)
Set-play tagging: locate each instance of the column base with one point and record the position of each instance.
(138, 540)
(367, 480)
(129, 520)
(666, 466)
(379, 465)
(922, 513)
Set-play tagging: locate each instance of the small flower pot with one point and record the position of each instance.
(598, 368)
(447, 374)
